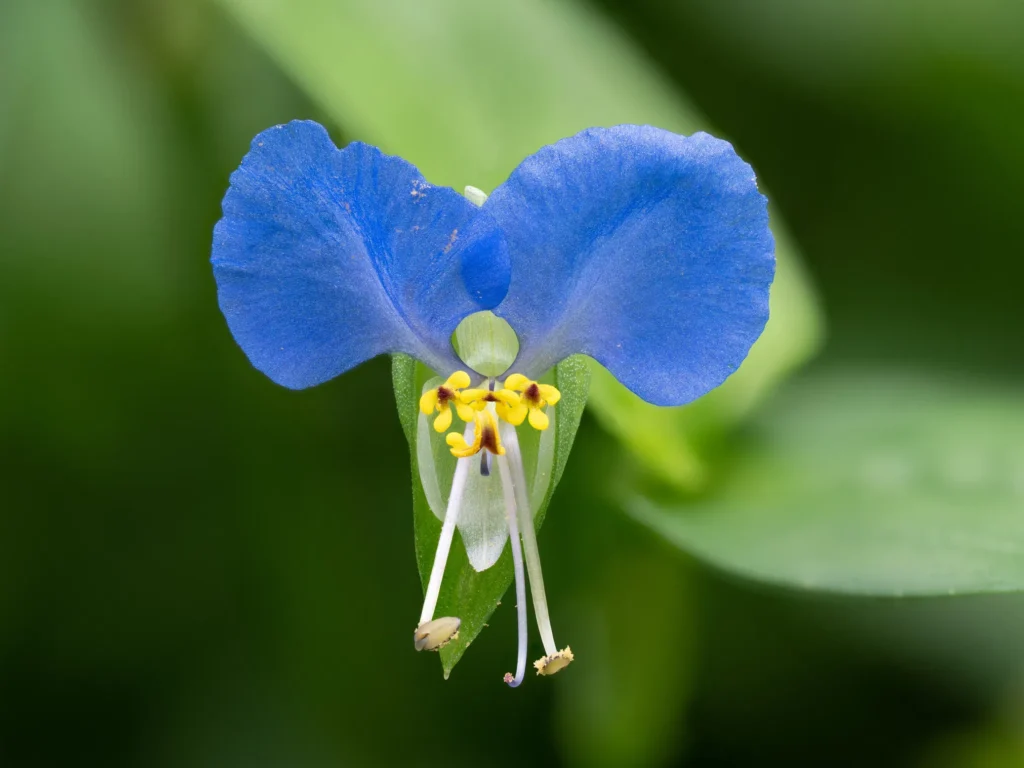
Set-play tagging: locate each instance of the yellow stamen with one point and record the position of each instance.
(428, 402)
(538, 419)
(514, 415)
(517, 381)
(549, 393)
(443, 420)
(533, 398)
(458, 380)
(479, 398)
(441, 399)
(466, 412)
(485, 435)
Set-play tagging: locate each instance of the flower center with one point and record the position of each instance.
(492, 411)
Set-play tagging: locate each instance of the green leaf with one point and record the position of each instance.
(881, 484)
(465, 593)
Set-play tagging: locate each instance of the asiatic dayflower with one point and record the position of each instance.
(645, 250)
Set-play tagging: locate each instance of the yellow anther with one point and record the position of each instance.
(479, 398)
(485, 435)
(533, 399)
(466, 412)
(506, 403)
(538, 419)
(441, 399)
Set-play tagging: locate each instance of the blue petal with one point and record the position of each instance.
(646, 250)
(327, 257)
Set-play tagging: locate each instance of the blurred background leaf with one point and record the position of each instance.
(464, 91)
(870, 483)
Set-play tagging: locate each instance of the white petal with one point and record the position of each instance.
(482, 522)
(436, 463)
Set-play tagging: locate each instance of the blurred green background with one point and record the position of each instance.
(199, 568)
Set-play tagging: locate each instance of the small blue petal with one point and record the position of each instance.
(646, 250)
(326, 258)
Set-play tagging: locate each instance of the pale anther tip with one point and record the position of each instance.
(476, 196)
(436, 634)
(554, 663)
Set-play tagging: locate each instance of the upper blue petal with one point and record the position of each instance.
(327, 257)
(646, 250)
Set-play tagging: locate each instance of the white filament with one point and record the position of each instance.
(444, 544)
(540, 599)
(517, 565)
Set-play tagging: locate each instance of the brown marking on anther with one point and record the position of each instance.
(444, 396)
(532, 393)
(489, 439)
(508, 678)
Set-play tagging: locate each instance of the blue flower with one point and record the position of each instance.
(647, 251)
